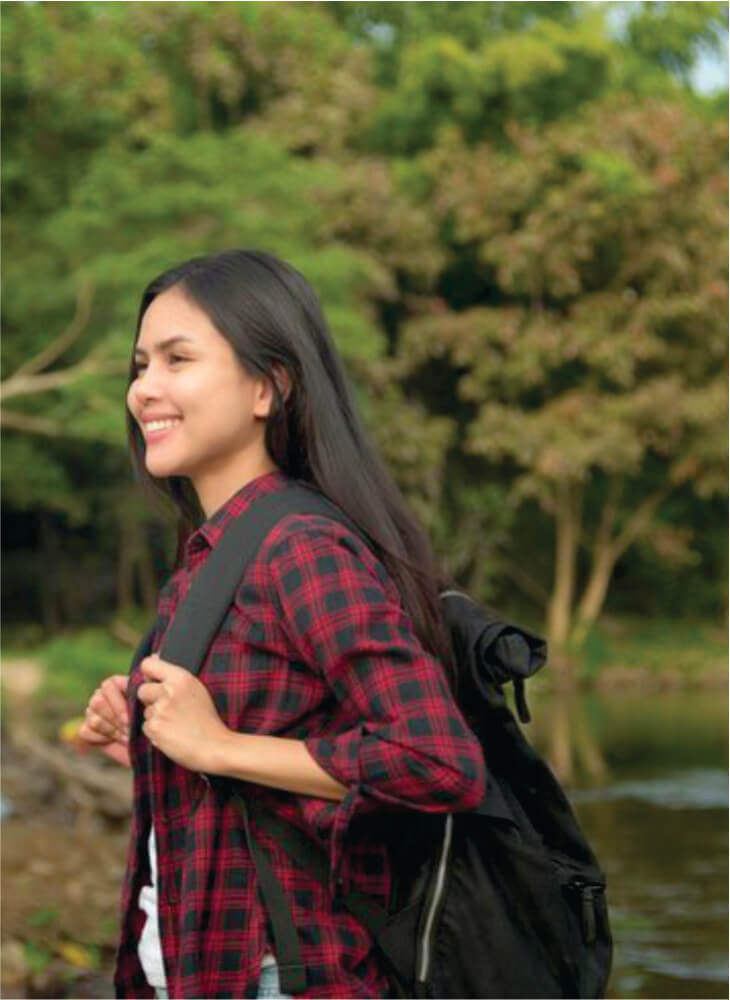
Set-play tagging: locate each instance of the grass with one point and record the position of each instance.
(73, 664)
(690, 653)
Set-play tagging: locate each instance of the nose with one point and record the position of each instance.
(147, 386)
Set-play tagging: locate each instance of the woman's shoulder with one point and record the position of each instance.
(323, 545)
(319, 531)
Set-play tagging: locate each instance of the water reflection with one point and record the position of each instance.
(650, 786)
(686, 790)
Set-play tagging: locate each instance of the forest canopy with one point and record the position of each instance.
(515, 215)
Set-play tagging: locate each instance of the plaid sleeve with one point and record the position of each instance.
(401, 739)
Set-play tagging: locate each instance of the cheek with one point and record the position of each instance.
(230, 402)
(132, 400)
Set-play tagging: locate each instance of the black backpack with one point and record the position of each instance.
(506, 900)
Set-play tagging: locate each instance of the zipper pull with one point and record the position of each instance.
(588, 914)
(523, 712)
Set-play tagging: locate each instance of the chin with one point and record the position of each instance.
(160, 468)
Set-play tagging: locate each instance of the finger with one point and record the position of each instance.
(99, 704)
(148, 730)
(118, 752)
(149, 692)
(161, 670)
(112, 714)
(154, 668)
(100, 724)
(120, 681)
(116, 699)
(88, 735)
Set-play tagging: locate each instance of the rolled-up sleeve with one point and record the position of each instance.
(400, 738)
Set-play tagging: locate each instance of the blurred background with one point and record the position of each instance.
(516, 217)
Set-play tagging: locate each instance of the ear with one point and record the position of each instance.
(265, 392)
(283, 380)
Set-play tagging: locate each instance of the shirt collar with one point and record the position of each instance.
(210, 532)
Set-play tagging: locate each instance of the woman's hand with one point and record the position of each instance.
(180, 717)
(106, 721)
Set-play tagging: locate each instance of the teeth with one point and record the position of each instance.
(159, 425)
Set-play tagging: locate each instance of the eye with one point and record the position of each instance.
(140, 367)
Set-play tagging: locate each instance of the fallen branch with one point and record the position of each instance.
(92, 786)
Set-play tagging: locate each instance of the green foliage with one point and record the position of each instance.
(38, 959)
(514, 214)
(532, 76)
(45, 917)
(684, 652)
(45, 481)
(669, 34)
(76, 664)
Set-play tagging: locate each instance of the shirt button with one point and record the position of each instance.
(205, 778)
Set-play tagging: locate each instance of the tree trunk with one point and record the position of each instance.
(607, 549)
(560, 745)
(594, 597)
(567, 527)
(587, 749)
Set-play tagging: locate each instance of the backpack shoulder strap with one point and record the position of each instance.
(199, 617)
(187, 641)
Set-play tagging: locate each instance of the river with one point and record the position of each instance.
(649, 785)
(655, 809)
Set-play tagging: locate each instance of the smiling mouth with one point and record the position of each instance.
(155, 429)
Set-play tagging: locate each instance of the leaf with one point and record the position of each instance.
(44, 917)
(78, 955)
(38, 958)
(69, 731)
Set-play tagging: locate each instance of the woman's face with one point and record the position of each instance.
(201, 415)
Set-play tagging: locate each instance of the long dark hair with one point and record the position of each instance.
(272, 319)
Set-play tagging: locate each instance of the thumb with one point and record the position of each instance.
(153, 668)
(118, 752)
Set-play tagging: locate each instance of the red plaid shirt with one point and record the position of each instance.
(317, 647)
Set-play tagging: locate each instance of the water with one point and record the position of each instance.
(656, 812)
(684, 790)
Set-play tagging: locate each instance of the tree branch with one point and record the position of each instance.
(56, 348)
(519, 575)
(638, 520)
(26, 385)
(608, 515)
(16, 421)
(29, 424)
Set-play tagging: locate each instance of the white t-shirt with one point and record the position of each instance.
(149, 950)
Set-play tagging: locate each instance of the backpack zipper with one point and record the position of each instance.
(587, 893)
(438, 892)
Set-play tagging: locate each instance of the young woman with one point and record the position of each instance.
(326, 688)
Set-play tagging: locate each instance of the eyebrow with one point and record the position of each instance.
(139, 352)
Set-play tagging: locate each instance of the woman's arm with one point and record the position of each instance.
(182, 721)
(273, 761)
(401, 738)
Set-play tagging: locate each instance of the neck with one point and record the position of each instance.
(216, 487)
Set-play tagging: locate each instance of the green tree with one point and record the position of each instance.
(425, 165)
(592, 355)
